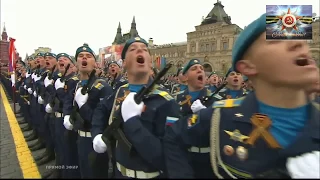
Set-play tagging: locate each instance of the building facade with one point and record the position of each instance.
(4, 47)
(212, 43)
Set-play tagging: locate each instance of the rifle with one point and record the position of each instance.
(51, 73)
(62, 79)
(207, 101)
(75, 115)
(113, 80)
(37, 72)
(42, 91)
(55, 100)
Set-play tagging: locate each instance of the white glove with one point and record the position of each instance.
(66, 122)
(35, 94)
(48, 108)
(58, 84)
(306, 166)
(25, 87)
(197, 106)
(80, 98)
(29, 90)
(40, 100)
(129, 107)
(37, 78)
(98, 145)
(33, 75)
(47, 81)
(28, 75)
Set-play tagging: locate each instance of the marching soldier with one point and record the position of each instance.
(181, 82)
(233, 89)
(116, 79)
(28, 87)
(194, 76)
(143, 123)
(190, 102)
(48, 155)
(66, 148)
(36, 109)
(213, 81)
(50, 93)
(94, 90)
(273, 132)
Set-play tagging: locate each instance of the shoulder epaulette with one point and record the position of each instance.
(126, 85)
(316, 105)
(217, 96)
(223, 90)
(208, 92)
(122, 80)
(75, 78)
(164, 94)
(228, 103)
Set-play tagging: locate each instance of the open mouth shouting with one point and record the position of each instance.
(140, 60)
(61, 65)
(47, 64)
(84, 64)
(235, 80)
(200, 78)
(302, 61)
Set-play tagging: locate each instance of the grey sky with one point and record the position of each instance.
(64, 25)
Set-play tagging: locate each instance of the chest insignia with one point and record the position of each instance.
(261, 125)
(236, 135)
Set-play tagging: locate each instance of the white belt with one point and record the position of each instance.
(199, 150)
(84, 133)
(136, 174)
(58, 115)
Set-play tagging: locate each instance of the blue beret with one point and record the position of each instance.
(65, 55)
(229, 71)
(50, 54)
(129, 42)
(30, 58)
(84, 48)
(39, 55)
(212, 74)
(190, 63)
(246, 38)
(245, 78)
(113, 62)
(179, 70)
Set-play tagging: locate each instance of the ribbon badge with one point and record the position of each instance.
(187, 100)
(120, 99)
(262, 124)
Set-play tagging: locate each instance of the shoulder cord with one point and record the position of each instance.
(215, 145)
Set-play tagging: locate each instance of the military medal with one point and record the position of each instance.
(242, 153)
(228, 150)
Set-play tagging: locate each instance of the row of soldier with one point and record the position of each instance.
(193, 131)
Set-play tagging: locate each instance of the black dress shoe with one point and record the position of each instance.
(45, 153)
(55, 174)
(47, 174)
(31, 137)
(22, 122)
(37, 147)
(45, 159)
(34, 144)
(26, 128)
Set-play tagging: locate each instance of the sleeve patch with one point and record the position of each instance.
(171, 120)
(99, 86)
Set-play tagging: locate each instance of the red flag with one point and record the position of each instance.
(12, 60)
